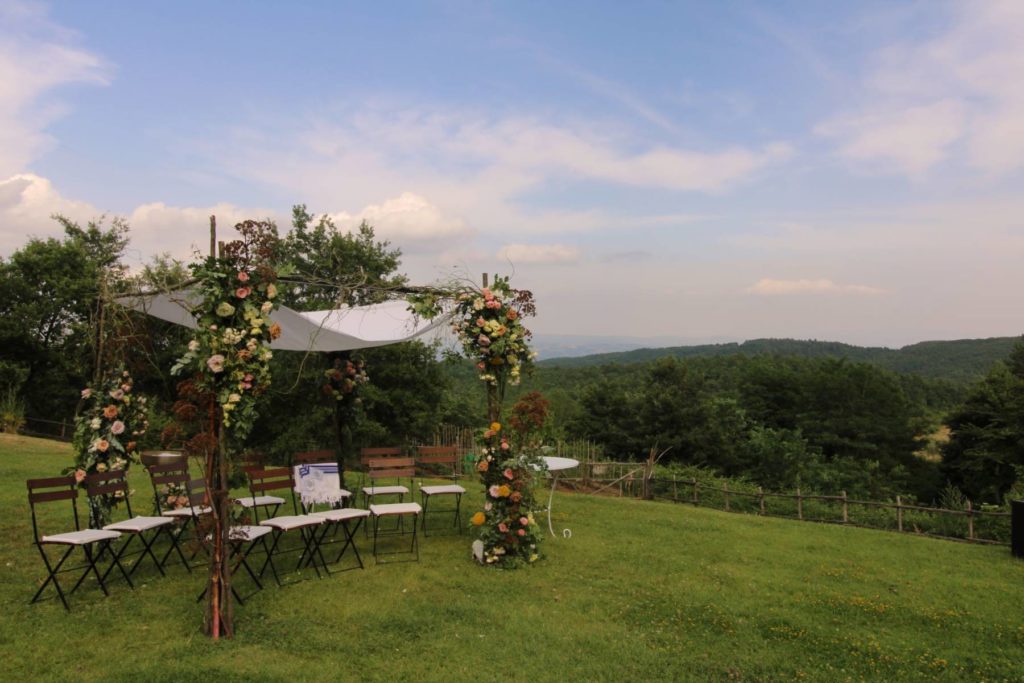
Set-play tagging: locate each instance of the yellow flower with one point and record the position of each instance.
(478, 519)
(504, 491)
(495, 426)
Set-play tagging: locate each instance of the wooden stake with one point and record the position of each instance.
(213, 236)
(799, 504)
(899, 514)
(970, 521)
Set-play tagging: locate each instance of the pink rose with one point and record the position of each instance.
(504, 445)
(79, 476)
(243, 276)
(242, 292)
(509, 474)
(521, 532)
(86, 393)
(481, 366)
(524, 521)
(493, 303)
(215, 363)
(503, 528)
(117, 427)
(480, 322)
(483, 340)
(493, 491)
(488, 295)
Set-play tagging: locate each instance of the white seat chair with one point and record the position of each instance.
(401, 511)
(439, 461)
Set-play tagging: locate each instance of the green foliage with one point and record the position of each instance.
(987, 433)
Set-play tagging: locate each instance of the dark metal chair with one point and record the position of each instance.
(93, 542)
(439, 461)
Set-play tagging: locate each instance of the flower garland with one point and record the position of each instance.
(489, 325)
(229, 355)
(106, 437)
(508, 530)
(344, 379)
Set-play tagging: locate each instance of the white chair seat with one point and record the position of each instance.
(137, 525)
(248, 532)
(386, 509)
(188, 512)
(292, 522)
(442, 488)
(259, 501)
(384, 490)
(341, 515)
(83, 537)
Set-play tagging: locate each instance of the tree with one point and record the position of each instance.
(987, 433)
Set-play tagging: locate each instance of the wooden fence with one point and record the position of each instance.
(635, 479)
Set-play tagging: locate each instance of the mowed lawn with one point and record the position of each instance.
(641, 591)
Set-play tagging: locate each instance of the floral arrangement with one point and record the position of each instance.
(107, 431)
(488, 323)
(507, 528)
(229, 356)
(344, 378)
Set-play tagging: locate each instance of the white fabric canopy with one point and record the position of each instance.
(341, 329)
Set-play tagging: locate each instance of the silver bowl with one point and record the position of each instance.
(160, 457)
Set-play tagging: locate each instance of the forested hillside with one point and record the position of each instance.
(962, 360)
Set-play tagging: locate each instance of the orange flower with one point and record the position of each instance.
(275, 331)
(478, 519)
(482, 466)
(102, 445)
(516, 497)
(110, 412)
(512, 314)
(495, 426)
(504, 491)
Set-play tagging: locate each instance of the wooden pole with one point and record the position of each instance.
(760, 498)
(696, 492)
(725, 494)
(799, 504)
(899, 514)
(213, 236)
(846, 515)
(970, 521)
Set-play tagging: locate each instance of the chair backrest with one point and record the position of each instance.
(171, 475)
(392, 468)
(368, 454)
(109, 483)
(48, 490)
(274, 479)
(437, 460)
(308, 457)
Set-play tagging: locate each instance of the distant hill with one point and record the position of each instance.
(962, 360)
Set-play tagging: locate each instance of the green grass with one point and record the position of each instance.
(642, 591)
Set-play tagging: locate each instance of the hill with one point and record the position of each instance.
(962, 360)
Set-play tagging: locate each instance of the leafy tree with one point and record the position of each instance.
(987, 433)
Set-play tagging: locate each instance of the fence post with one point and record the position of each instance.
(675, 489)
(63, 426)
(760, 498)
(899, 514)
(970, 521)
(696, 492)
(725, 494)
(799, 504)
(846, 513)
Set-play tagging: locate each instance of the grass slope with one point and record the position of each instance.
(642, 591)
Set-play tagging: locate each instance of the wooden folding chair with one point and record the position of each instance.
(383, 469)
(65, 488)
(378, 463)
(430, 460)
(146, 529)
(255, 502)
(281, 479)
(186, 515)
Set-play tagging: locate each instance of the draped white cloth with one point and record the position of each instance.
(341, 329)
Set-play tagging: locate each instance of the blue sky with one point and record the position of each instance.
(846, 171)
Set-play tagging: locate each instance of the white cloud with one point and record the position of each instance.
(27, 203)
(408, 218)
(961, 87)
(539, 253)
(772, 287)
(36, 57)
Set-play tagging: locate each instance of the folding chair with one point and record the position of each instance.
(280, 479)
(64, 488)
(242, 540)
(308, 458)
(429, 459)
(378, 463)
(196, 504)
(253, 501)
(112, 483)
(400, 510)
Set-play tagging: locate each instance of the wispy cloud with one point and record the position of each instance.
(539, 253)
(773, 287)
(37, 56)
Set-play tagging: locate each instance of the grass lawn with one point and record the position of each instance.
(642, 591)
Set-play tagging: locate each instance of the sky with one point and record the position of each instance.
(688, 170)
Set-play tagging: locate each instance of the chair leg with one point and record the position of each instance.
(350, 541)
(53, 576)
(425, 499)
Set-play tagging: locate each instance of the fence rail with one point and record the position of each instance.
(628, 479)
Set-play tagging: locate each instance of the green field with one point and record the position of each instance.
(642, 591)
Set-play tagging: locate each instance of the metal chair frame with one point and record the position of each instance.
(281, 478)
(52, 489)
(440, 455)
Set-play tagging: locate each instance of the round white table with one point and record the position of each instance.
(556, 465)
